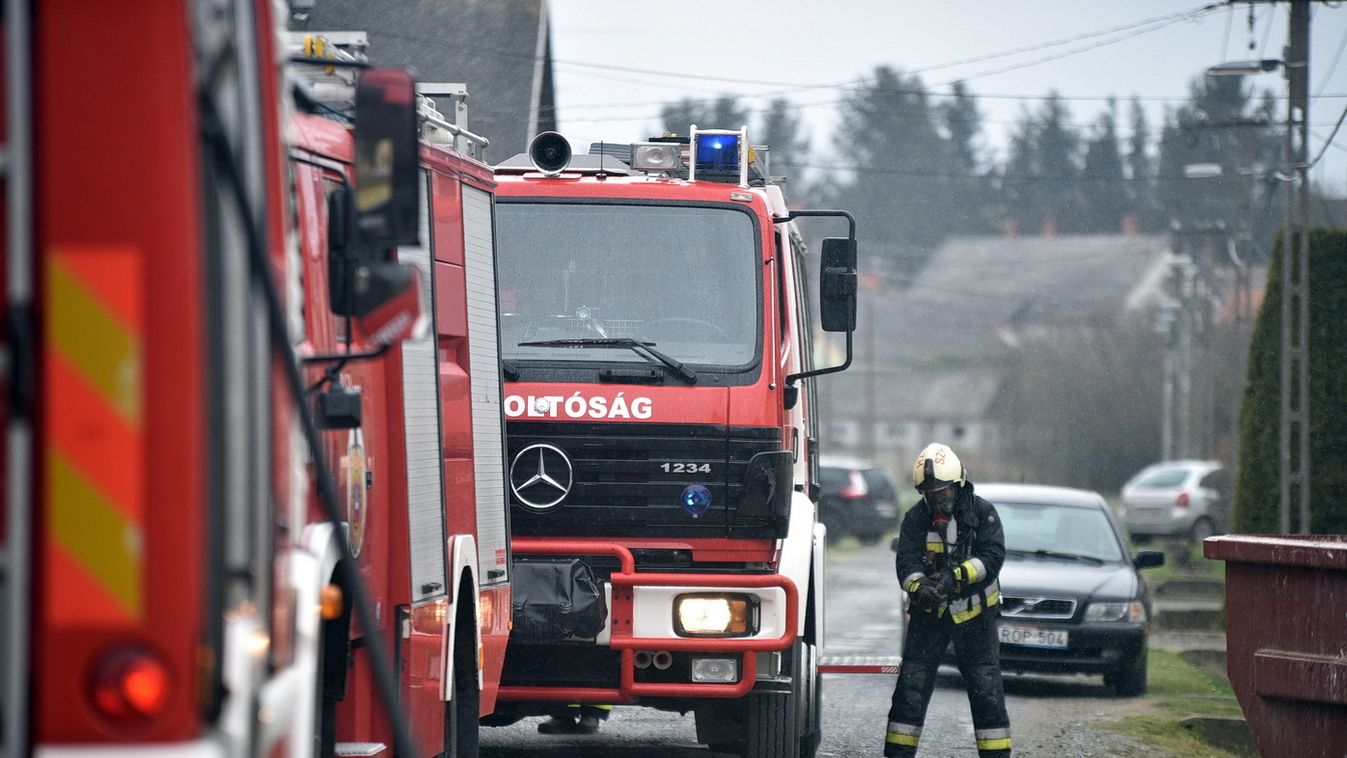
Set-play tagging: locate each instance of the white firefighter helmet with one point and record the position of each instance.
(936, 467)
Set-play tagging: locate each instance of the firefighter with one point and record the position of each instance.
(950, 550)
(576, 719)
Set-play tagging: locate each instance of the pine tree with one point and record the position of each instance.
(1041, 187)
(961, 121)
(1103, 191)
(725, 112)
(781, 129)
(907, 184)
(1141, 202)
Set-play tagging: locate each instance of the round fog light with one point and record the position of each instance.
(696, 500)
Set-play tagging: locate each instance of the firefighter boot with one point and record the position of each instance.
(564, 724)
(589, 724)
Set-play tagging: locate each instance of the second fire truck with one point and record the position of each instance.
(662, 435)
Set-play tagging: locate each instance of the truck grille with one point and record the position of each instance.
(627, 478)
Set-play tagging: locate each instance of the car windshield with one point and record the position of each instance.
(682, 278)
(1084, 532)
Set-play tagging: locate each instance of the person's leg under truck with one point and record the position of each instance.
(927, 637)
(979, 655)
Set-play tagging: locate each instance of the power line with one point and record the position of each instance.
(992, 177)
(1188, 15)
(1166, 20)
(1328, 141)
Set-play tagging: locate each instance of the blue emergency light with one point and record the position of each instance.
(718, 153)
(696, 500)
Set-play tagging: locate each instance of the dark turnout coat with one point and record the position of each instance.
(973, 539)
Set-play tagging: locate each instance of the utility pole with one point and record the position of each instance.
(1294, 458)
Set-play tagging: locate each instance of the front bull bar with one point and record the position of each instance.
(621, 624)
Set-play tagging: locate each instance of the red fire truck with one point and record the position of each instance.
(253, 473)
(423, 472)
(662, 435)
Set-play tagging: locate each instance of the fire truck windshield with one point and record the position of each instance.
(683, 278)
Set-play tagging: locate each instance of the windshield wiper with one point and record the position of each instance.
(643, 349)
(1057, 555)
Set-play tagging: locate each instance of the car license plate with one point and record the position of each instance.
(1032, 636)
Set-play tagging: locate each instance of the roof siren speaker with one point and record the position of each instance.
(550, 153)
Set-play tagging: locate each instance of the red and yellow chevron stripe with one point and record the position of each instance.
(94, 450)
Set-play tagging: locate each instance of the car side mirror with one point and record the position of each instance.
(837, 285)
(1149, 559)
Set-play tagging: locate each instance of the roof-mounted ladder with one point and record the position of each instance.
(333, 86)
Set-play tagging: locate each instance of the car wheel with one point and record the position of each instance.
(1202, 529)
(1130, 680)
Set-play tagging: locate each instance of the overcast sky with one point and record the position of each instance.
(617, 61)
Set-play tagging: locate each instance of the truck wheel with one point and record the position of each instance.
(772, 729)
(1130, 680)
(812, 729)
(461, 730)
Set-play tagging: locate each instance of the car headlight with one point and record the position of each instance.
(715, 615)
(1133, 611)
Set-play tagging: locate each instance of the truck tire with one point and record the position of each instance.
(461, 728)
(811, 707)
(772, 728)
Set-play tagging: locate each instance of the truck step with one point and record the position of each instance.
(859, 664)
(360, 748)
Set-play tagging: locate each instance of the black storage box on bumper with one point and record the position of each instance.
(556, 600)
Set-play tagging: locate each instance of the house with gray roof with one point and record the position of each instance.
(933, 346)
(500, 50)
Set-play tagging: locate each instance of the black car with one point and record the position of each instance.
(856, 499)
(1072, 597)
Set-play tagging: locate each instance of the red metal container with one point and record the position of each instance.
(1286, 638)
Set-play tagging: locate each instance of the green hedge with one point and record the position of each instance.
(1256, 490)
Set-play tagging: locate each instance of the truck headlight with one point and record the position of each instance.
(1133, 611)
(715, 614)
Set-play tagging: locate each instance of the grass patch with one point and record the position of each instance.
(1182, 559)
(1178, 690)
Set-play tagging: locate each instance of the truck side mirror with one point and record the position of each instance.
(386, 303)
(366, 223)
(837, 285)
(387, 197)
(384, 297)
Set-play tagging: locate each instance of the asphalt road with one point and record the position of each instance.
(1050, 716)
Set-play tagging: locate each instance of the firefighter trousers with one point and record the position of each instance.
(978, 652)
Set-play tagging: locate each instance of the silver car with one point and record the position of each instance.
(1177, 499)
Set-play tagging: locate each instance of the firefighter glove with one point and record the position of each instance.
(928, 593)
(950, 579)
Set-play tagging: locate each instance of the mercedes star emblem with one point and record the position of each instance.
(540, 476)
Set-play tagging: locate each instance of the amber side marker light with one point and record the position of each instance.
(130, 683)
(331, 602)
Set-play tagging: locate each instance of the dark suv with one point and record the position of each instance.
(856, 499)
